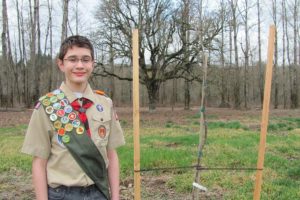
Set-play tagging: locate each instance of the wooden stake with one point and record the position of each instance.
(136, 114)
(265, 114)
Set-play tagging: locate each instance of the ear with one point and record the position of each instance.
(60, 64)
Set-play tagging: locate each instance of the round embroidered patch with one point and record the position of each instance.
(64, 119)
(53, 117)
(56, 106)
(42, 98)
(56, 92)
(61, 131)
(99, 108)
(66, 139)
(102, 131)
(50, 94)
(68, 127)
(80, 130)
(60, 96)
(76, 123)
(60, 113)
(68, 109)
(57, 124)
(72, 116)
(46, 102)
(53, 99)
(49, 110)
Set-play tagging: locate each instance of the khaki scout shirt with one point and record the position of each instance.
(42, 141)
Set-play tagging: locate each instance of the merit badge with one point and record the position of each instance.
(80, 130)
(53, 99)
(64, 119)
(60, 96)
(57, 124)
(68, 127)
(50, 94)
(61, 131)
(56, 106)
(53, 117)
(59, 141)
(64, 102)
(46, 102)
(60, 113)
(66, 139)
(102, 131)
(42, 98)
(68, 109)
(72, 116)
(99, 108)
(49, 110)
(56, 92)
(76, 123)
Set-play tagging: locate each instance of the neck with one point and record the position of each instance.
(76, 87)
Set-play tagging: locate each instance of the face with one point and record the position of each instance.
(77, 66)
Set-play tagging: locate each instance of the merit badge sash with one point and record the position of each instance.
(72, 133)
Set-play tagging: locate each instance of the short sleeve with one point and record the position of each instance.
(116, 137)
(37, 139)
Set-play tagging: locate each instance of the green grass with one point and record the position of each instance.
(174, 145)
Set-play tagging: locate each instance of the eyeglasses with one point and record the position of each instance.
(75, 60)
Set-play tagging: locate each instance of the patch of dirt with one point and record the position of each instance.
(163, 115)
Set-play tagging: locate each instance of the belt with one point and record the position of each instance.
(83, 189)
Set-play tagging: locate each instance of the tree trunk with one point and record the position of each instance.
(185, 41)
(112, 65)
(283, 53)
(246, 53)
(260, 70)
(223, 73)
(49, 32)
(4, 71)
(187, 95)
(236, 87)
(153, 92)
(64, 25)
(275, 56)
(294, 95)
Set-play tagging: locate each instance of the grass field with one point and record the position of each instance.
(230, 144)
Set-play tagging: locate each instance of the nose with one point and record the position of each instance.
(79, 64)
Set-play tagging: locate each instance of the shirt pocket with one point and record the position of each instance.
(101, 129)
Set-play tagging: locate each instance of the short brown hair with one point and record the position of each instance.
(75, 40)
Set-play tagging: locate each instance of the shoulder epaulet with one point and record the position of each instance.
(100, 92)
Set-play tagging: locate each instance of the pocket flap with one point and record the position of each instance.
(104, 117)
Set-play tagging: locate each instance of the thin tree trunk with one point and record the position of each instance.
(236, 87)
(260, 70)
(5, 89)
(64, 25)
(294, 96)
(112, 65)
(283, 53)
(274, 4)
(49, 32)
(246, 55)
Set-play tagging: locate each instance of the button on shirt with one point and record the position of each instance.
(42, 141)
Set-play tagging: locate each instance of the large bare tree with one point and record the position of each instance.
(161, 50)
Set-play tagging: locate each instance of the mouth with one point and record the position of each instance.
(79, 74)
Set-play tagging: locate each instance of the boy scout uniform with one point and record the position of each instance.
(42, 139)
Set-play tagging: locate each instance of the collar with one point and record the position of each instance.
(88, 93)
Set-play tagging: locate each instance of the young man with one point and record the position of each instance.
(73, 134)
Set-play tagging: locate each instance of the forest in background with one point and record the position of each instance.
(174, 36)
